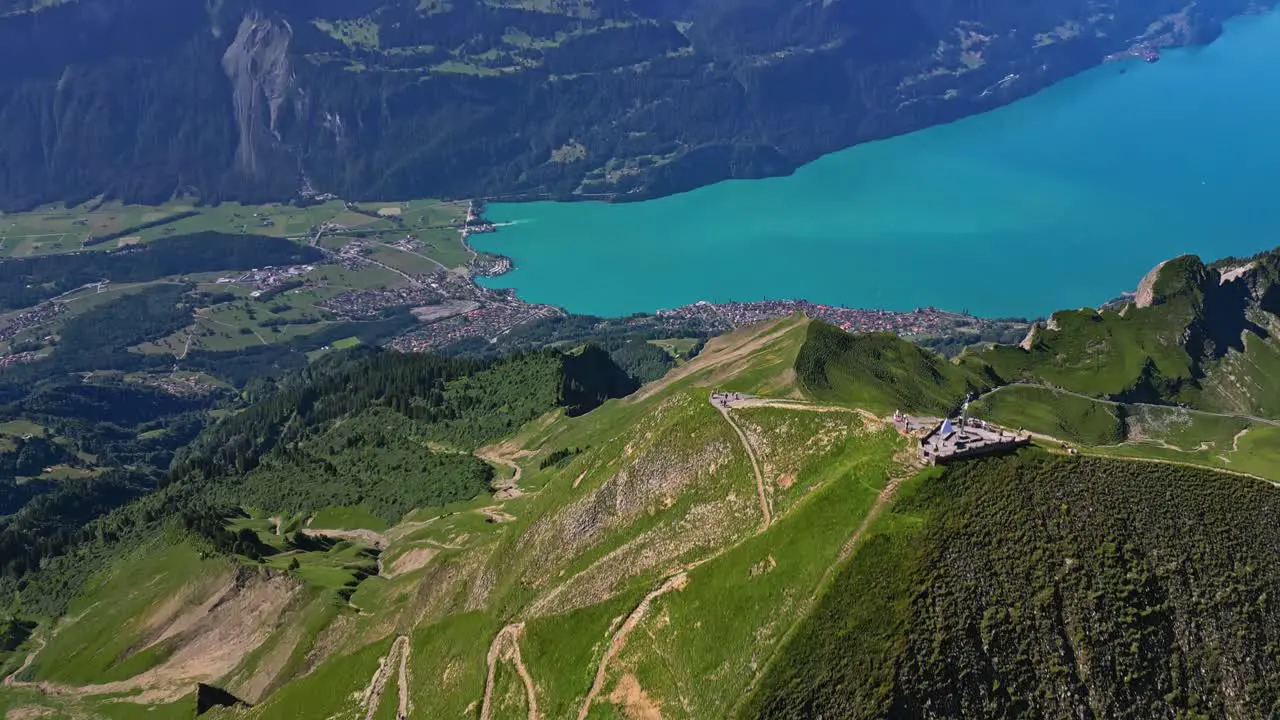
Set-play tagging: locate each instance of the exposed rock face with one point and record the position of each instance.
(1030, 340)
(262, 80)
(1235, 273)
(1146, 294)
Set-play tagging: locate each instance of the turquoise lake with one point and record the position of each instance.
(1061, 200)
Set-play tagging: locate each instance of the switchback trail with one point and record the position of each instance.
(510, 635)
(765, 510)
(619, 639)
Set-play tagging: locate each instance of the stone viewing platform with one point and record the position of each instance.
(942, 441)
(968, 437)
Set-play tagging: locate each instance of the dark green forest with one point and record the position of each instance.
(386, 430)
(1049, 586)
(625, 339)
(134, 99)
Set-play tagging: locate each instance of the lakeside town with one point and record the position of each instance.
(497, 312)
(455, 314)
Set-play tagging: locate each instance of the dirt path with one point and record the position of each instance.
(1235, 441)
(12, 679)
(506, 456)
(388, 268)
(765, 510)
(410, 252)
(759, 402)
(370, 537)
(747, 401)
(1179, 463)
(719, 351)
(403, 709)
(619, 639)
(233, 327)
(510, 636)
(374, 539)
(378, 685)
(491, 455)
(1060, 391)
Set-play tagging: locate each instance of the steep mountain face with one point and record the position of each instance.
(257, 63)
(590, 98)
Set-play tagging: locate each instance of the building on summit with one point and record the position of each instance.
(967, 437)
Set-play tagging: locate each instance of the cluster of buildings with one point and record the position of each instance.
(1142, 51)
(18, 358)
(365, 304)
(941, 441)
(488, 322)
(351, 255)
(717, 317)
(489, 266)
(183, 386)
(269, 277)
(35, 317)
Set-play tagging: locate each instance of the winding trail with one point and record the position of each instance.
(12, 679)
(371, 537)
(492, 455)
(678, 581)
(495, 455)
(374, 539)
(1235, 441)
(765, 510)
(510, 635)
(619, 639)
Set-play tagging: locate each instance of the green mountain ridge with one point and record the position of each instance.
(1194, 335)
(535, 531)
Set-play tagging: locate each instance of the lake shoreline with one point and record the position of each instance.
(1060, 200)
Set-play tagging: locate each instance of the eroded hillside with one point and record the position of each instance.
(630, 551)
(751, 536)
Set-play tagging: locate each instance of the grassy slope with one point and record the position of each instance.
(97, 643)
(1042, 410)
(883, 373)
(1108, 353)
(646, 455)
(1152, 432)
(655, 483)
(1100, 354)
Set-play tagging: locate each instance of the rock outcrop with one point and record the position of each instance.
(262, 81)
